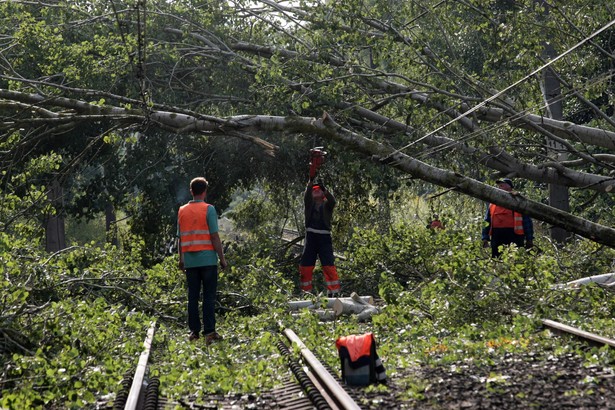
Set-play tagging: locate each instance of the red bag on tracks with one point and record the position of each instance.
(359, 361)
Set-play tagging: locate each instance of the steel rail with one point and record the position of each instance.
(594, 338)
(333, 390)
(562, 328)
(323, 390)
(137, 382)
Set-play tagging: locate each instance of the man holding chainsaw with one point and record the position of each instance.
(319, 204)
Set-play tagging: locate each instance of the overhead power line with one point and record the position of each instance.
(500, 93)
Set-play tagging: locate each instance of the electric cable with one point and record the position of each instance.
(500, 93)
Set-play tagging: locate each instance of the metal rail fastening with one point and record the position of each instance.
(333, 388)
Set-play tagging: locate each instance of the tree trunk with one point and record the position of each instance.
(327, 302)
(559, 195)
(327, 128)
(449, 179)
(606, 280)
(110, 224)
(55, 236)
(355, 304)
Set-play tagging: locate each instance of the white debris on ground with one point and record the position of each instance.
(606, 281)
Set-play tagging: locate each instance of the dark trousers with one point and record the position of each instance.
(317, 245)
(504, 236)
(207, 278)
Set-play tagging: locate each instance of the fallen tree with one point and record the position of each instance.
(326, 127)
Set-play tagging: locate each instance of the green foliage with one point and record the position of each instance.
(247, 360)
(72, 322)
(76, 351)
(444, 298)
(255, 213)
(81, 232)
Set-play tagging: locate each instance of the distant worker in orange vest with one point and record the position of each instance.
(199, 250)
(506, 226)
(319, 204)
(435, 223)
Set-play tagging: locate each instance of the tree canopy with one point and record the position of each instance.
(451, 93)
(116, 105)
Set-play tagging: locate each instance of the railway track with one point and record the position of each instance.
(590, 338)
(585, 336)
(309, 385)
(313, 387)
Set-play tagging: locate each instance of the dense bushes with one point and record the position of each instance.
(73, 322)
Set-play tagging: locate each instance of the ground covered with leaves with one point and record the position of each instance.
(515, 381)
(541, 370)
(73, 323)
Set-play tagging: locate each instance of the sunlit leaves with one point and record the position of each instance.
(73, 316)
(76, 339)
(445, 299)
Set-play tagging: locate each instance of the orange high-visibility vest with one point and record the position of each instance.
(193, 229)
(505, 218)
(357, 345)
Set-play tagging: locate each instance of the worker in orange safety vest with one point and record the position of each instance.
(200, 249)
(505, 226)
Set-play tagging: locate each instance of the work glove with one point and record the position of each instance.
(485, 243)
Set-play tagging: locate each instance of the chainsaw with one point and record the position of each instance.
(317, 158)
